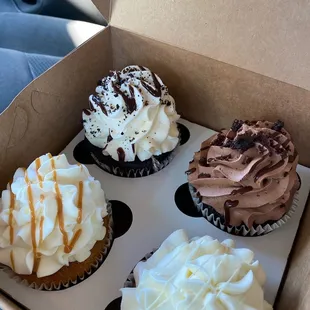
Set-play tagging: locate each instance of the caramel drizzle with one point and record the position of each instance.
(41, 229)
(60, 216)
(12, 206)
(74, 240)
(36, 256)
(41, 221)
(80, 202)
(38, 165)
(12, 260)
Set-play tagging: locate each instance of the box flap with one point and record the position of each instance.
(47, 113)
(267, 37)
(104, 7)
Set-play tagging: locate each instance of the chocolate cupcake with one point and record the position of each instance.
(244, 179)
(55, 224)
(130, 127)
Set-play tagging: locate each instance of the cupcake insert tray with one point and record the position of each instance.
(155, 216)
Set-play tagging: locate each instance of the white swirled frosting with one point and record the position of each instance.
(51, 214)
(132, 114)
(201, 273)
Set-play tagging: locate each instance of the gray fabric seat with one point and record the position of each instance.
(43, 34)
(17, 70)
(30, 44)
(8, 6)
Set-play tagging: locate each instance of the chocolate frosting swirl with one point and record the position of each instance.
(247, 173)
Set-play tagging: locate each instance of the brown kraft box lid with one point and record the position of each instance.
(220, 59)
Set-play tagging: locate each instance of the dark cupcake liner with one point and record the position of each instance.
(65, 284)
(242, 230)
(87, 153)
(153, 165)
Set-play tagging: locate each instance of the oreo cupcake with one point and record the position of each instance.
(55, 224)
(244, 179)
(130, 127)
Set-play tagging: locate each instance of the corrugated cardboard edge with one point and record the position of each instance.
(47, 113)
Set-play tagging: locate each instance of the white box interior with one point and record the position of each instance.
(155, 216)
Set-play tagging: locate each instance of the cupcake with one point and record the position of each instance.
(55, 224)
(130, 126)
(244, 179)
(200, 273)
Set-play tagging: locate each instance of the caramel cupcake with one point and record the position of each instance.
(55, 224)
(244, 179)
(130, 127)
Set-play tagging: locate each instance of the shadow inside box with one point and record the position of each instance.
(88, 154)
(115, 304)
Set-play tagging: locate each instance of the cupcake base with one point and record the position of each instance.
(76, 272)
(218, 221)
(135, 169)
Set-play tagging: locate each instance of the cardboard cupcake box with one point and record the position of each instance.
(220, 62)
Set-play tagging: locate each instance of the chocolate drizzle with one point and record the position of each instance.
(231, 135)
(268, 169)
(227, 205)
(203, 162)
(133, 148)
(204, 176)
(109, 138)
(242, 190)
(99, 104)
(190, 171)
(130, 102)
(154, 91)
(121, 154)
(87, 112)
(258, 162)
(292, 157)
(219, 141)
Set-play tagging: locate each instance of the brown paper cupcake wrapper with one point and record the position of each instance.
(136, 172)
(63, 284)
(241, 230)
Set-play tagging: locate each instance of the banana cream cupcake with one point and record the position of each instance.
(198, 273)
